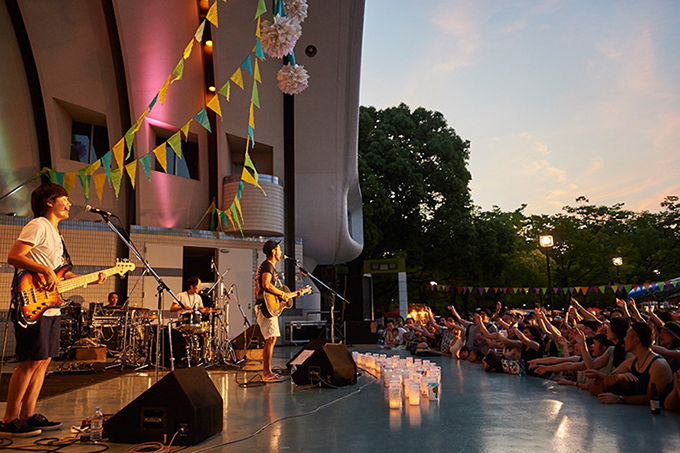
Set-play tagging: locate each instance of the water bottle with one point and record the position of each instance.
(96, 426)
(654, 402)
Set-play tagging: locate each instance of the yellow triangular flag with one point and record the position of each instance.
(237, 77)
(70, 179)
(251, 120)
(132, 170)
(214, 105)
(162, 156)
(140, 120)
(164, 90)
(185, 129)
(99, 181)
(247, 177)
(238, 206)
(187, 49)
(257, 72)
(118, 151)
(93, 167)
(212, 14)
(257, 29)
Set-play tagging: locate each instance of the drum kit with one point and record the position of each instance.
(129, 334)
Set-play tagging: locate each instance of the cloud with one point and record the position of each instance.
(459, 36)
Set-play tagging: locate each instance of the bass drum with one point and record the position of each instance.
(179, 346)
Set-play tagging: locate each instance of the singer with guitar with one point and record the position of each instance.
(40, 250)
(268, 288)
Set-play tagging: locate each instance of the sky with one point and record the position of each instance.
(558, 98)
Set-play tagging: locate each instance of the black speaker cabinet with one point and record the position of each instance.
(185, 400)
(330, 365)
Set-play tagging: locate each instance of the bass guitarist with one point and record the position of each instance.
(38, 249)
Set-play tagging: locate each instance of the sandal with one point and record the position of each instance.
(273, 378)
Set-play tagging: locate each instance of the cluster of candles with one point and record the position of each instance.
(407, 380)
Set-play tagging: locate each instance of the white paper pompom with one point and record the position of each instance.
(292, 79)
(296, 9)
(278, 39)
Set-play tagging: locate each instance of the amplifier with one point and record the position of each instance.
(105, 321)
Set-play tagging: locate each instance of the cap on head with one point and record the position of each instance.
(270, 245)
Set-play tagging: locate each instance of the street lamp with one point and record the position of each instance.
(546, 242)
(618, 262)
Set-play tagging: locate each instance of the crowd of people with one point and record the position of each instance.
(622, 355)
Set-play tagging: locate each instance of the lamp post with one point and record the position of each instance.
(546, 242)
(618, 262)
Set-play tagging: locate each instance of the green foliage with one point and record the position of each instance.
(415, 187)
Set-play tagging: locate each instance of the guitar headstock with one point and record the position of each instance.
(122, 267)
(305, 290)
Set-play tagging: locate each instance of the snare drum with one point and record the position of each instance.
(190, 321)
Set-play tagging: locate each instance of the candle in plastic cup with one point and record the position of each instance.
(395, 397)
(433, 390)
(414, 393)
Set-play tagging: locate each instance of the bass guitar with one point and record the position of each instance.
(32, 298)
(274, 305)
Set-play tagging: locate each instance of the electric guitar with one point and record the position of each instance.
(274, 305)
(32, 298)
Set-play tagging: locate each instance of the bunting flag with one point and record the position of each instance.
(161, 156)
(237, 78)
(257, 72)
(116, 178)
(99, 180)
(164, 90)
(175, 142)
(251, 117)
(214, 105)
(187, 49)
(129, 138)
(185, 130)
(246, 65)
(212, 15)
(199, 32)
(255, 97)
(118, 151)
(261, 9)
(259, 53)
(145, 160)
(226, 90)
(202, 119)
(155, 99)
(59, 177)
(70, 181)
(85, 182)
(178, 71)
(93, 167)
(131, 169)
(106, 163)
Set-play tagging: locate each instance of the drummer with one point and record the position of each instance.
(191, 298)
(113, 301)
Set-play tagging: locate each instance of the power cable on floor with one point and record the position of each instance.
(288, 417)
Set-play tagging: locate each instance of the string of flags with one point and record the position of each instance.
(600, 289)
(89, 176)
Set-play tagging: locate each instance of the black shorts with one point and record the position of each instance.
(38, 341)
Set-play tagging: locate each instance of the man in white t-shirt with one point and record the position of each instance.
(38, 249)
(191, 298)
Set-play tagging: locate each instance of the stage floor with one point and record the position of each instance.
(478, 412)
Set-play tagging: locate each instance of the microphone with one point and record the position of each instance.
(101, 212)
(286, 257)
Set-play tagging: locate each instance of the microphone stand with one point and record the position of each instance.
(332, 295)
(162, 287)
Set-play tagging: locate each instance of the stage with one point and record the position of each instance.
(478, 412)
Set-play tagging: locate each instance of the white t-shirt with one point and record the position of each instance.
(47, 246)
(48, 249)
(191, 301)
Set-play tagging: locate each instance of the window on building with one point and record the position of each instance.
(88, 142)
(187, 166)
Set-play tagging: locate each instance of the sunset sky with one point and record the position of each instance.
(558, 98)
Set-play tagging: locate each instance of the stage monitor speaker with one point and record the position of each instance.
(312, 345)
(331, 365)
(252, 336)
(184, 401)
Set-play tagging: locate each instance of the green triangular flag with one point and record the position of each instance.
(129, 138)
(85, 182)
(116, 177)
(146, 165)
(255, 97)
(261, 8)
(175, 143)
(179, 70)
(225, 90)
(153, 102)
(202, 118)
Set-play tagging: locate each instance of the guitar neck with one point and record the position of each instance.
(77, 282)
